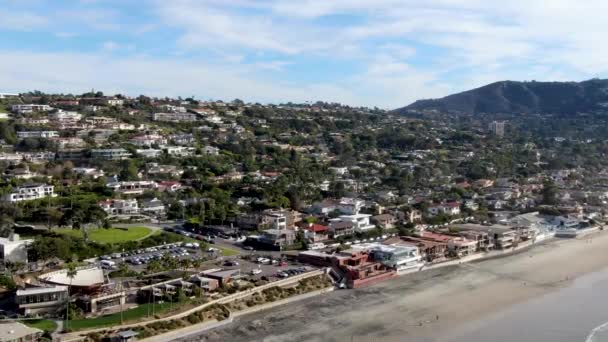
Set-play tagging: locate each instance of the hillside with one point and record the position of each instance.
(522, 97)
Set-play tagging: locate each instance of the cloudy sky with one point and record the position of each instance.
(384, 53)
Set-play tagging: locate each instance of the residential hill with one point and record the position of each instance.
(522, 97)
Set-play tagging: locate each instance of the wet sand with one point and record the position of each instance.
(436, 305)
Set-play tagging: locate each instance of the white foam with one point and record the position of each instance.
(595, 331)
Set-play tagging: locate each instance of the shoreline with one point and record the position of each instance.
(430, 305)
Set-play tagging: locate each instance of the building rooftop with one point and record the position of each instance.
(40, 290)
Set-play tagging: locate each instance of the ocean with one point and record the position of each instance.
(578, 312)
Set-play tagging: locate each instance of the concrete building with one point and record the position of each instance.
(30, 192)
(18, 332)
(13, 249)
(41, 300)
(384, 221)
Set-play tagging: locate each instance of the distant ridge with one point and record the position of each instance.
(521, 97)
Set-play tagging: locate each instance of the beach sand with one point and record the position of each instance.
(428, 306)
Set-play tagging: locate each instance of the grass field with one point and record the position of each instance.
(112, 235)
(141, 311)
(42, 324)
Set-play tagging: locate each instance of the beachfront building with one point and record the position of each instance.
(502, 237)
(398, 257)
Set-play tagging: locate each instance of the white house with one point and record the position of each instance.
(37, 134)
(120, 207)
(30, 108)
(132, 188)
(180, 151)
(174, 117)
(211, 151)
(110, 153)
(149, 153)
(65, 116)
(360, 221)
(30, 192)
(450, 209)
(350, 206)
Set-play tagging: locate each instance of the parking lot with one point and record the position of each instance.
(139, 259)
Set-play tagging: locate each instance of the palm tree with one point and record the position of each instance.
(196, 263)
(70, 273)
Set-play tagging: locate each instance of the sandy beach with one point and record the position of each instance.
(435, 305)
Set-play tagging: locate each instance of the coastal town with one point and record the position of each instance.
(143, 218)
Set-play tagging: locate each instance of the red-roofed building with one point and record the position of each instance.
(315, 232)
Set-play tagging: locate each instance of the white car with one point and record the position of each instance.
(256, 271)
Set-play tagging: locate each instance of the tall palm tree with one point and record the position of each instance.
(70, 273)
(184, 263)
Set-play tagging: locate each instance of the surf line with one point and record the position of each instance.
(594, 331)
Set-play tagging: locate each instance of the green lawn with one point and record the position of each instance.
(42, 324)
(112, 235)
(114, 319)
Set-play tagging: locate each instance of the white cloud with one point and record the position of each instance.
(21, 20)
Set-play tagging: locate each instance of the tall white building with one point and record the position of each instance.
(497, 128)
(37, 134)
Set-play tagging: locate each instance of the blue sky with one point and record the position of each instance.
(384, 53)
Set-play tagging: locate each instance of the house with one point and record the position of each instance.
(182, 139)
(360, 222)
(169, 186)
(174, 117)
(64, 116)
(315, 232)
(37, 134)
(430, 250)
(13, 249)
(350, 206)
(282, 218)
(324, 207)
(449, 209)
(384, 221)
(149, 153)
(30, 108)
(153, 207)
(339, 228)
(148, 140)
(210, 151)
(458, 246)
(18, 332)
(132, 188)
(110, 154)
(502, 237)
(120, 207)
(30, 192)
(88, 171)
(180, 151)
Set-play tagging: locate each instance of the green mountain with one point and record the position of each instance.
(522, 97)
